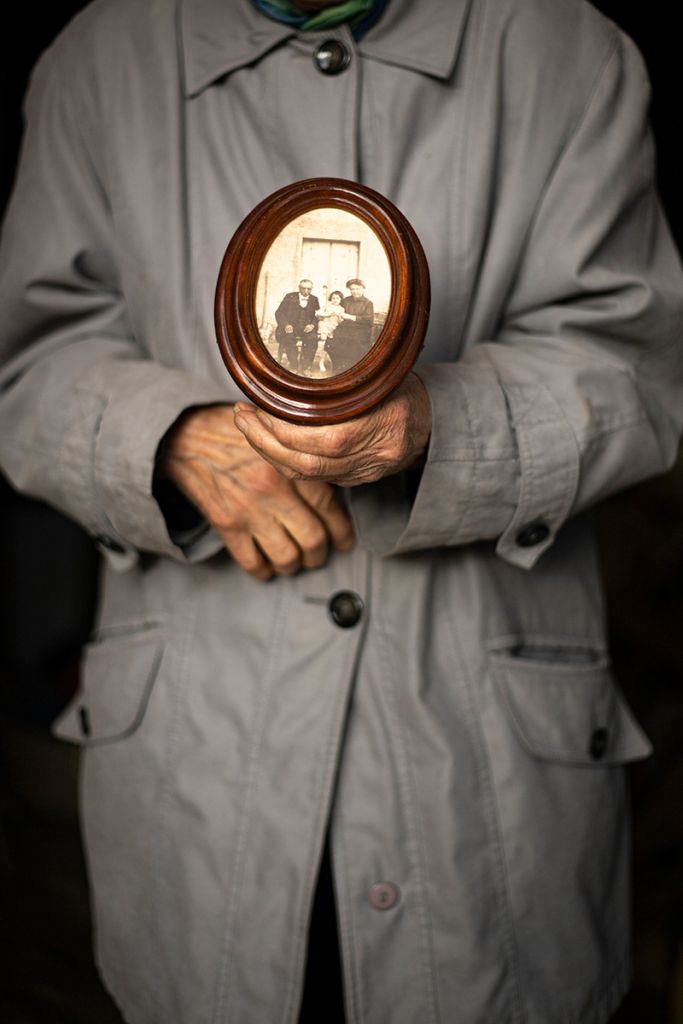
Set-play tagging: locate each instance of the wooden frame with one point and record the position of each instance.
(272, 384)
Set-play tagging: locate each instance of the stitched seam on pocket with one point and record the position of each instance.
(150, 639)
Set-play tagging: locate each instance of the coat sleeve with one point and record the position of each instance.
(283, 311)
(82, 407)
(313, 306)
(579, 394)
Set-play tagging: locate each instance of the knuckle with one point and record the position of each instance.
(286, 566)
(315, 538)
(263, 478)
(222, 519)
(261, 574)
(311, 465)
(395, 452)
(315, 559)
(253, 564)
(321, 497)
(336, 442)
(284, 557)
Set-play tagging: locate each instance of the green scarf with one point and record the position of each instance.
(359, 14)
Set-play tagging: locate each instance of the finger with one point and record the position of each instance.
(305, 528)
(325, 503)
(289, 462)
(203, 489)
(246, 554)
(278, 523)
(278, 548)
(332, 440)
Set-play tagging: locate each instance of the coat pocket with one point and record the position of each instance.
(568, 711)
(118, 673)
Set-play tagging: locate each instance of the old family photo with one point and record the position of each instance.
(323, 293)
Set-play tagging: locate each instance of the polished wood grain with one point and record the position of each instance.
(369, 381)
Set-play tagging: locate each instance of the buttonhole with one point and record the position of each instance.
(85, 720)
(549, 652)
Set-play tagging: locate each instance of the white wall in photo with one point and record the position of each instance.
(328, 246)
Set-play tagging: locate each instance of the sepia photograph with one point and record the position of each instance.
(323, 293)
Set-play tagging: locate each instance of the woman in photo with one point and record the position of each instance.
(353, 338)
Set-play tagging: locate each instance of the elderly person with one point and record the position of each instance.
(296, 327)
(353, 336)
(412, 742)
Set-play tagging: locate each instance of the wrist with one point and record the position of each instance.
(194, 426)
(418, 421)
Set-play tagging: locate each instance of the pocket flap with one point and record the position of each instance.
(569, 712)
(117, 674)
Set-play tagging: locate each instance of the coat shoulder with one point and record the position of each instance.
(557, 25)
(550, 58)
(565, 41)
(109, 39)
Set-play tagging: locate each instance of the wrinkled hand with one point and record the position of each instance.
(392, 437)
(270, 525)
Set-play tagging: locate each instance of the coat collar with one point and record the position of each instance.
(219, 36)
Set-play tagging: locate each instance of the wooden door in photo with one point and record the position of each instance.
(329, 264)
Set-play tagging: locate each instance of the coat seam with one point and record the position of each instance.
(330, 757)
(338, 850)
(412, 816)
(479, 56)
(347, 930)
(491, 814)
(232, 903)
(165, 799)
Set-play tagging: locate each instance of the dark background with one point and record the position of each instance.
(48, 573)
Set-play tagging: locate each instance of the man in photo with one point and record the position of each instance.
(296, 322)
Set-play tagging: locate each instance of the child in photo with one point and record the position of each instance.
(330, 316)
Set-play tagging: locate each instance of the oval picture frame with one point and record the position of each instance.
(273, 382)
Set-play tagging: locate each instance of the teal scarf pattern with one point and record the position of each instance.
(359, 14)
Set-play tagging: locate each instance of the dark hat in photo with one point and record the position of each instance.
(355, 280)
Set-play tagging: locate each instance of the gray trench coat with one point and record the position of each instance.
(465, 738)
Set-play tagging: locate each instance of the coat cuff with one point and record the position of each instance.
(143, 402)
(502, 465)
